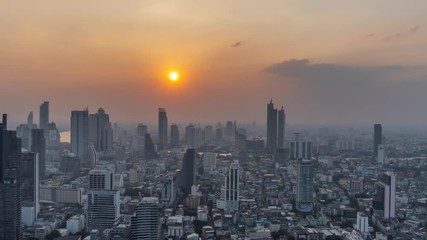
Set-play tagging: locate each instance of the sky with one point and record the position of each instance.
(326, 62)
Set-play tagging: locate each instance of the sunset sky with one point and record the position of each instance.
(334, 62)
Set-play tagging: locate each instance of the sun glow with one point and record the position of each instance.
(173, 76)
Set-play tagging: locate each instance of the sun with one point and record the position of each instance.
(173, 76)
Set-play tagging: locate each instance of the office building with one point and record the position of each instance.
(100, 131)
(230, 188)
(190, 135)
(169, 192)
(44, 117)
(163, 128)
(304, 195)
(10, 189)
(380, 154)
(187, 176)
(149, 148)
(362, 223)
(209, 133)
(146, 222)
(30, 188)
(271, 127)
(300, 149)
(281, 122)
(80, 136)
(174, 135)
(209, 162)
(378, 137)
(100, 179)
(385, 199)
(38, 146)
(54, 137)
(103, 202)
(141, 130)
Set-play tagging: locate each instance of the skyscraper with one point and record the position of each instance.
(271, 127)
(39, 146)
(385, 199)
(80, 136)
(190, 135)
(163, 128)
(100, 131)
(44, 117)
(146, 222)
(141, 130)
(149, 148)
(299, 149)
(230, 188)
(281, 128)
(304, 196)
(174, 135)
(187, 176)
(10, 187)
(378, 137)
(30, 185)
(103, 202)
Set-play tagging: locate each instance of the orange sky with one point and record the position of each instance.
(116, 54)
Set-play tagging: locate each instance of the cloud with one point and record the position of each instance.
(237, 44)
(303, 69)
(398, 36)
(414, 29)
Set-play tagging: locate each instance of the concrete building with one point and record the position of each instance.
(163, 128)
(146, 222)
(304, 194)
(230, 189)
(80, 136)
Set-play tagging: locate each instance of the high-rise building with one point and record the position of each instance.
(304, 195)
(39, 146)
(149, 148)
(230, 188)
(174, 135)
(281, 128)
(100, 179)
(271, 127)
(378, 137)
(44, 117)
(163, 128)
(103, 202)
(169, 192)
(187, 176)
(190, 135)
(209, 133)
(385, 199)
(146, 222)
(30, 188)
(101, 131)
(141, 130)
(10, 187)
(54, 137)
(229, 129)
(23, 131)
(80, 136)
(209, 162)
(362, 223)
(299, 149)
(380, 154)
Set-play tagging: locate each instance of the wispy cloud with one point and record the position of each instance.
(237, 44)
(401, 35)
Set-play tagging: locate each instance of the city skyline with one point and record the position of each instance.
(318, 59)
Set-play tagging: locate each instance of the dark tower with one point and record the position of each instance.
(163, 128)
(281, 128)
(187, 176)
(271, 127)
(378, 137)
(10, 193)
(174, 136)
